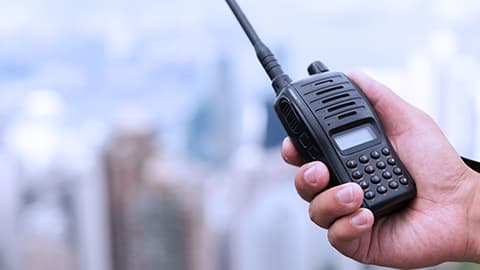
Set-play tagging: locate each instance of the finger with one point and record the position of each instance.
(311, 179)
(290, 154)
(394, 112)
(346, 232)
(334, 203)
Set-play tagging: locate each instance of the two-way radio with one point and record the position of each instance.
(329, 119)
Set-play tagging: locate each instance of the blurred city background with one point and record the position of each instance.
(140, 134)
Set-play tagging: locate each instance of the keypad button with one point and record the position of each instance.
(403, 181)
(369, 169)
(363, 159)
(393, 184)
(381, 165)
(391, 161)
(387, 175)
(351, 164)
(386, 151)
(364, 184)
(375, 154)
(357, 174)
(375, 179)
(382, 189)
(369, 195)
(397, 171)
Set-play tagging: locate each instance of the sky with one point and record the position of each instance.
(112, 63)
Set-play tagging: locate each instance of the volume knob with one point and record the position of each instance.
(317, 67)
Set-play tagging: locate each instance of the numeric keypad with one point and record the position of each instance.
(376, 172)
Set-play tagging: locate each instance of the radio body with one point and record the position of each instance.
(329, 119)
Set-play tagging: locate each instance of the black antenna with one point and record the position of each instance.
(264, 55)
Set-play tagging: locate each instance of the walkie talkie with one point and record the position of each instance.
(329, 119)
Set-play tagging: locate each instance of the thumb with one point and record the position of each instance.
(395, 114)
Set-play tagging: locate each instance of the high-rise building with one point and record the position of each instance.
(211, 135)
(153, 225)
(124, 158)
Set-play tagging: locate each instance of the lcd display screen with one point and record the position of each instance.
(354, 137)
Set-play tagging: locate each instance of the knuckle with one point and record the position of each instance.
(311, 213)
(318, 216)
(305, 197)
(314, 216)
(302, 191)
(332, 238)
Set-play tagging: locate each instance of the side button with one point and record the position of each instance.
(305, 140)
(314, 153)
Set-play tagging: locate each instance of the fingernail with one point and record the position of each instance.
(360, 219)
(345, 195)
(310, 175)
(285, 141)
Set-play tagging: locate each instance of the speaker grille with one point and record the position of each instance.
(324, 91)
(341, 106)
(326, 100)
(346, 115)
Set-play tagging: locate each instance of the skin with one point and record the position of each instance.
(441, 222)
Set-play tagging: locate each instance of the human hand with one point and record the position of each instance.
(437, 226)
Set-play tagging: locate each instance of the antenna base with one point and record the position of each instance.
(280, 82)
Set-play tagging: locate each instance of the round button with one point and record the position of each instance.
(364, 184)
(375, 154)
(363, 159)
(397, 171)
(375, 179)
(387, 175)
(381, 165)
(391, 161)
(351, 164)
(357, 174)
(386, 151)
(382, 189)
(403, 181)
(317, 67)
(393, 185)
(369, 195)
(369, 169)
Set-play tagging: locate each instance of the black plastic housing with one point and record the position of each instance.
(326, 104)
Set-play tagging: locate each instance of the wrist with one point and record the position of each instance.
(473, 217)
